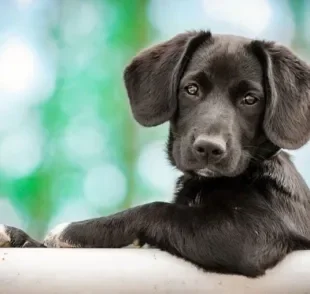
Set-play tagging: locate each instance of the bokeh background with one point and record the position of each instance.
(69, 148)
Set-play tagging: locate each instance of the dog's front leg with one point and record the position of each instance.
(159, 224)
(218, 243)
(13, 237)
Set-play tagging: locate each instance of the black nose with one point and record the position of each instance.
(210, 148)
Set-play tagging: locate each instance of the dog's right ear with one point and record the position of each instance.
(287, 88)
(152, 78)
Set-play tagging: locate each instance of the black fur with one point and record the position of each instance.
(241, 206)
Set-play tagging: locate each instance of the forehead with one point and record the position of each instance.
(226, 58)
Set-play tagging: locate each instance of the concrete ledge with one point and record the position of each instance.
(108, 271)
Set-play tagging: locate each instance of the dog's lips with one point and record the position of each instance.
(218, 171)
(205, 172)
(201, 169)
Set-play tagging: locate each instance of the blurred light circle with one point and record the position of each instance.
(12, 117)
(154, 168)
(24, 2)
(174, 16)
(81, 21)
(24, 78)
(84, 139)
(253, 15)
(72, 210)
(105, 185)
(18, 66)
(89, 17)
(20, 152)
(253, 19)
(84, 142)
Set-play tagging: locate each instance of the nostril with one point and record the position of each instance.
(200, 149)
(217, 152)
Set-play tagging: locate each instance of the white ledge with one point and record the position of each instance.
(108, 271)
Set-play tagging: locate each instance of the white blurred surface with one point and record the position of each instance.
(136, 271)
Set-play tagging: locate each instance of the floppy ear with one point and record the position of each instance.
(152, 78)
(287, 84)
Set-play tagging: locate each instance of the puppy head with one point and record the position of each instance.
(228, 99)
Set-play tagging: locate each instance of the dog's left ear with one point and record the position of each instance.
(152, 78)
(287, 86)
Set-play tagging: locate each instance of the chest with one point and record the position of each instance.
(220, 195)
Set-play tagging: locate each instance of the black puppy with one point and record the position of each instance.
(232, 103)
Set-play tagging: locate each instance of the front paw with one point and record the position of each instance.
(13, 237)
(88, 235)
(56, 237)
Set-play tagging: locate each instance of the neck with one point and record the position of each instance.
(267, 150)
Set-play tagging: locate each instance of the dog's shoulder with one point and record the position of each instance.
(281, 172)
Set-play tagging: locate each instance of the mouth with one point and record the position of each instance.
(206, 172)
(230, 170)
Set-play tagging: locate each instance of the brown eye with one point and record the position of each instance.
(249, 100)
(191, 89)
